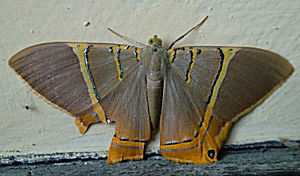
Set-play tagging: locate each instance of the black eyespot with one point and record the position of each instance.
(155, 50)
(211, 154)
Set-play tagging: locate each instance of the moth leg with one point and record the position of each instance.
(95, 114)
(123, 149)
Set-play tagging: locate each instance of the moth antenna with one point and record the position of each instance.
(127, 39)
(181, 37)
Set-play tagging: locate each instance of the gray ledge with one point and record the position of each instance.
(269, 158)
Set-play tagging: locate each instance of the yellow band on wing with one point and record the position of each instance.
(192, 62)
(227, 54)
(117, 53)
(80, 50)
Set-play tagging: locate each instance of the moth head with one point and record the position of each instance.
(155, 41)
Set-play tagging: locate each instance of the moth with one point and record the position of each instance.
(191, 94)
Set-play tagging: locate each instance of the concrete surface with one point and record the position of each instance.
(247, 162)
(269, 24)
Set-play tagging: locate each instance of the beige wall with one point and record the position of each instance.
(269, 24)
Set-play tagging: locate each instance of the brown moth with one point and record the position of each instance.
(191, 94)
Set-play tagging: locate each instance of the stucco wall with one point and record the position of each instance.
(269, 24)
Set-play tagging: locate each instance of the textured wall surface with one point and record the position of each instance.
(269, 24)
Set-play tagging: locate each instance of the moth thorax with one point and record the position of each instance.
(155, 64)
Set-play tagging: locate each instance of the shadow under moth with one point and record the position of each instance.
(191, 94)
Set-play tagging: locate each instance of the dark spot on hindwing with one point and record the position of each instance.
(211, 154)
